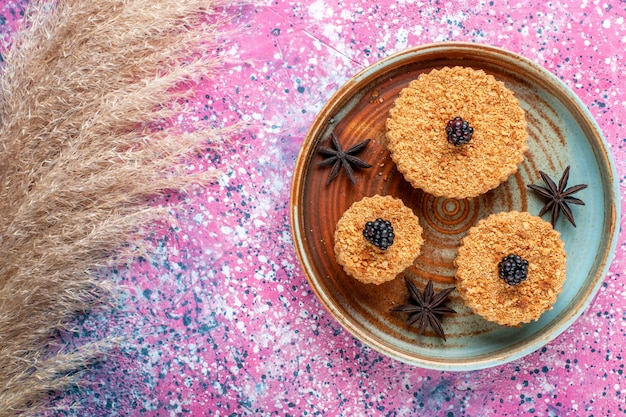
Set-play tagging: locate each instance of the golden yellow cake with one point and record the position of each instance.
(363, 259)
(418, 141)
(485, 246)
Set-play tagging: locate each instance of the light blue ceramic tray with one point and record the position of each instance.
(562, 132)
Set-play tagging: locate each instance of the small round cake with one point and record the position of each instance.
(510, 267)
(456, 132)
(377, 238)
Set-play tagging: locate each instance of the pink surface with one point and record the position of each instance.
(223, 322)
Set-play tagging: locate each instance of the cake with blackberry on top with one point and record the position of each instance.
(456, 132)
(377, 238)
(510, 267)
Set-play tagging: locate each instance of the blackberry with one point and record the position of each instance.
(379, 233)
(513, 269)
(459, 131)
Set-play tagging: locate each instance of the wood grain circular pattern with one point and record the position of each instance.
(561, 133)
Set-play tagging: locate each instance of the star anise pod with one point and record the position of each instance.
(425, 308)
(338, 158)
(559, 197)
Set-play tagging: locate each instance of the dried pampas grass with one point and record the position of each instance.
(83, 90)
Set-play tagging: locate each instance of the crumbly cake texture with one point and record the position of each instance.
(483, 248)
(364, 261)
(418, 142)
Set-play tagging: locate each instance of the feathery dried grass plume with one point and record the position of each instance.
(83, 87)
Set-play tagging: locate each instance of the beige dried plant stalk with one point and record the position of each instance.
(84, 89)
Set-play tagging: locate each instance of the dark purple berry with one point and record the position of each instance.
(459, 131)
(379, 233)
(513, 269)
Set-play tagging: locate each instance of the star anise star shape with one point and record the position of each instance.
(339, 158)
(426, 308)
(558, 197)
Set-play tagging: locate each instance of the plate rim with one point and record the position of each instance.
(401, 58)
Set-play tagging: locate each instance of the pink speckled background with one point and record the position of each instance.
(222, 322)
